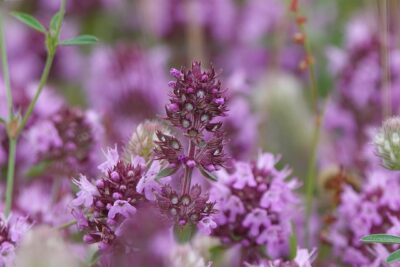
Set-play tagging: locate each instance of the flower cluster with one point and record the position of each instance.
(255, 206)
(124, 85)
(101, 208)
(196, 102)
(12, 231)
(68, 136)
(373, 210)
(303, 258)
(361, 96)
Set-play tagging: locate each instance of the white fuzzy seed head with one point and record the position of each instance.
(387, 143)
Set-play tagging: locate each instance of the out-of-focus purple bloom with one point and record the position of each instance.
(79, 7)
(66, 136)
(304, 258)
(141, 240)
(11, 232)
(241, 127)
(358, 104)
(44, 206)
(257, 212)
(125, 84)
(372, 210)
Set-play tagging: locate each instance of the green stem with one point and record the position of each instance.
(12, 142)
(310, 179)
(6, 72)
(42, 83)
(385, 58)
(51, 43)
(10, 175)
(66, 225)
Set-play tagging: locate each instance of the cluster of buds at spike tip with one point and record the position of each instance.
(101, 208)
(197, 102)
(387, 142)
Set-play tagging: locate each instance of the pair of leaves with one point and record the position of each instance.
(385, 239)
(208, 174)
(168, 171)
(54, 23)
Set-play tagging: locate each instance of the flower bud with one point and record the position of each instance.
(387, 142)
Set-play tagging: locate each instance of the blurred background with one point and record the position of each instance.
(263, 55)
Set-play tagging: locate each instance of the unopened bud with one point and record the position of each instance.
(298, 38)
(387, 142)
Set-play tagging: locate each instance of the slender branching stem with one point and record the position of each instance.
(385, 58)
(312, 164)
(5, 68)
(15, 128)
(42, 83)
(66, 225)
(10, 175)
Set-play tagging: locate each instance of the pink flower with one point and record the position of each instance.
(121, 207)
(112, 158)
(86, 193)
(148, 185)
(206, 225)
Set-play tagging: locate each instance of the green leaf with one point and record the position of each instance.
(81, 40)
(185, 233)
(166, 172)
(55, 20)
(94, 258)
(38, 169)
(217, 251)
(395, 256)
(208, 174)
(381, 238)
(29, 20)
(293, 246)
(2, 121)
